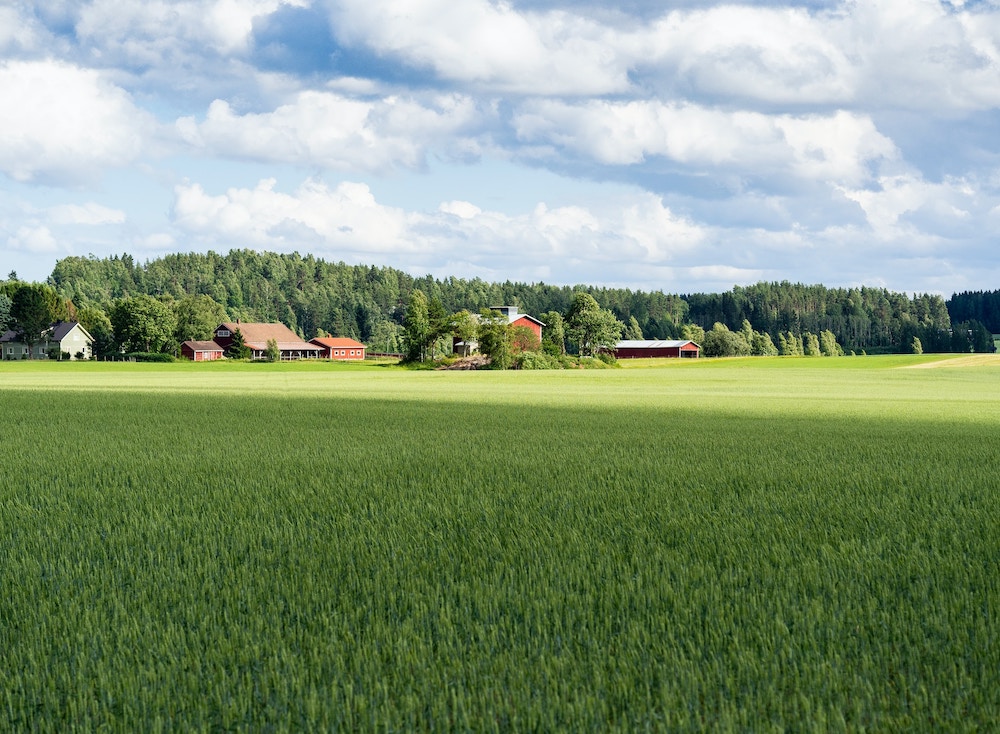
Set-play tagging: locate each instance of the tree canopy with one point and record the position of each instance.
(142, 323)
(591, 327)
(369, 303)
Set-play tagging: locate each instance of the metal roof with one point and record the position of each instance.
(653, 343)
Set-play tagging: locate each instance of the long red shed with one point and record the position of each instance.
(633, 348)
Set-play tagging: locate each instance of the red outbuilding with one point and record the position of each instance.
(513, 319)
(338, 347)
(201, 351)
(633, 348)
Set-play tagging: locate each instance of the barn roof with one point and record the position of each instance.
(202, 346)
(256, 336)
(653, 343)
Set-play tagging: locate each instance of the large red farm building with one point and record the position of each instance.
(633, 348)
(256, 337)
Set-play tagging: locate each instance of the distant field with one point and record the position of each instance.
(750, 545)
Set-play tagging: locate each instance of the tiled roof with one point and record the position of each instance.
(256, 336)
(337, 342)
(197, 346)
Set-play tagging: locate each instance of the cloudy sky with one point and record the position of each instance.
(682, 145)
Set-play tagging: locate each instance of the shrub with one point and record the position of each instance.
(149, 357)
(536, 361)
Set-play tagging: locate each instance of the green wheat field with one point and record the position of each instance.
(735, 545)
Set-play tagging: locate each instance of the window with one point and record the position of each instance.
(223, 332)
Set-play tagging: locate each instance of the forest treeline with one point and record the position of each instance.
(368, 303)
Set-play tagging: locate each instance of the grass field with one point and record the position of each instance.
(746, 545)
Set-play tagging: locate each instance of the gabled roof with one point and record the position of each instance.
(512, 317)
(256, 336)
(653, 343)
(202, 346)
(336, 342)
(61, 329)
(56, 332)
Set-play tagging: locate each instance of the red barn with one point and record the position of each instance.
(520, 319)
(201, 351)
(513, 319)
(341, 348)
(633, 348)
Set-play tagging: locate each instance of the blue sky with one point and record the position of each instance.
(678, 146)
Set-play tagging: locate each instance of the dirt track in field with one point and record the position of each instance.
(972, 360)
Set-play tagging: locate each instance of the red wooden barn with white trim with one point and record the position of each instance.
(339, 347)
(201, 351)
(633, 348)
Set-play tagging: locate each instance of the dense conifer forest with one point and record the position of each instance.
(368, 303)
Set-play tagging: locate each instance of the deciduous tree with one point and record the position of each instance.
(417, 326)
(142, 324)
(494, 335)
(553, 334)
(98, 325)
(591, 327)
(197, 317)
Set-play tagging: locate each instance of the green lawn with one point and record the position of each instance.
(744, 545)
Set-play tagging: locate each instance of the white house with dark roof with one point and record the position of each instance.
(69, 337)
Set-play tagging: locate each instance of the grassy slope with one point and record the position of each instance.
(733, 544)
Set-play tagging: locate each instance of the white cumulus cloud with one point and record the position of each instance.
(836, 147)
(328, 130)
(61, 123)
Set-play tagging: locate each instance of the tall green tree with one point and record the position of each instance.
(828, 344)
(591, 327)
(465, 328)
(417, 332)
(694, 333)
(632, 329)
(98, 325)
(32, 312)
(386, 336)
(495, 339)
(5, 317)
(763, 345)
(142, 324)
(721, 342)
(553, 334)
(238, 348)
(197, 317)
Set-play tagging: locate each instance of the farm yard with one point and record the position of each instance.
(748, 545)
